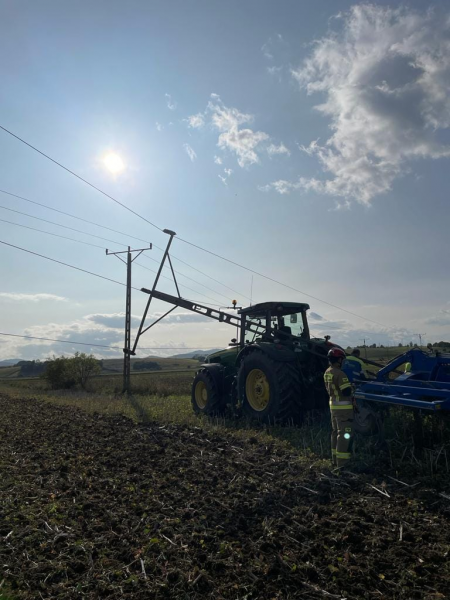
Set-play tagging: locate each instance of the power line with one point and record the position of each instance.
(281, 283)
(31, 337)
(63, 226)
(80, 269)
(79, 177)
(73, 216)
(60, 262)
(191, 243)
(49, 233)
(101, 247)
(181, 284)
(96, 246)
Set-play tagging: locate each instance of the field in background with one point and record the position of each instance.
(113, 366)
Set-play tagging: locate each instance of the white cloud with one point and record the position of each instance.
(112, 320)
(282, 186)
(190, 152)
(345, 333)
(224, 178)
(99, 329)
(386, 82)
(171, 104)
(218, 160)
(31, 297)
(243, 142)
(158, 126)
(442, 318)
(269, 49)
(196, 121)
(273, 149)
(275, 71)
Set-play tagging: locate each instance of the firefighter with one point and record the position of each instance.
(353, 366)
(340, 391)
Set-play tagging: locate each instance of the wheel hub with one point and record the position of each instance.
(257, 390)
(201, 394)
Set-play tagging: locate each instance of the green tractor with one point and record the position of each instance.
(274, 372)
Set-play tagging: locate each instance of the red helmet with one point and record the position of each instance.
(335, 354)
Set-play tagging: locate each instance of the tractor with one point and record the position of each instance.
(274, 371)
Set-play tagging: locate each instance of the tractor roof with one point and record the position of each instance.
(276, 308)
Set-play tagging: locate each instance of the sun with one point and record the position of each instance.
(114, 163)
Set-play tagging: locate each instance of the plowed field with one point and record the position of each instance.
(99, 507)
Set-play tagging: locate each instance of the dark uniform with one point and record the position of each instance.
(340, 391)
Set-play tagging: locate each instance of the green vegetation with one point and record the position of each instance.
(66, 373)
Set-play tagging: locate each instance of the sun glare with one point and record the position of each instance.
(114, 163)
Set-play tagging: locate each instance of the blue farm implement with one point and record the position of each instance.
(425, 385)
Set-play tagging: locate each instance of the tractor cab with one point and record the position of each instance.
(274, 322)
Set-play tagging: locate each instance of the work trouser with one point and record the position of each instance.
(341, 434)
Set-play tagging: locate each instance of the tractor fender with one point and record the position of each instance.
(216, 371)
(280, 354)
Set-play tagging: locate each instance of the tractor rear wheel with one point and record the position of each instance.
(205, 395)
(270, 390)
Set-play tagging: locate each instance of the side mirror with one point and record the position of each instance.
(293, 318)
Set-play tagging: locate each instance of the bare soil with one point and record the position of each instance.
(99, 507)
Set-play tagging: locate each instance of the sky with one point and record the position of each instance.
(306, 141)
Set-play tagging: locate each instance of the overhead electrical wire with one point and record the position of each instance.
(122, 244)
(79, 177)
(60, 262)
(102, 247)
(85, 270)
(191, 243)
(63, 226)
(73, 216)
(50, 233)
(31, 337)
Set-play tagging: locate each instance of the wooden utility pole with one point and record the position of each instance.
(127, 344)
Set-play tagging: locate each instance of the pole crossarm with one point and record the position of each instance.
(140, 250)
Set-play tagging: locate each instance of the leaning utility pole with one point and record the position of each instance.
(166, 255)
(127, 345)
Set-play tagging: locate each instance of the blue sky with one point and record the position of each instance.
(306, 140)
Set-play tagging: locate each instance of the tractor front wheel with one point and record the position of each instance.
(270, 390)
(205, 396)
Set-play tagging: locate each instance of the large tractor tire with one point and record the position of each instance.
(270, 390)
(205, 395)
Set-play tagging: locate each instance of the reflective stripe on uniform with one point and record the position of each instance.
(341, 406)
(333, 451)
(343, 455)
(344, 386)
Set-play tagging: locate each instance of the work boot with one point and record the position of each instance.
(333, 458)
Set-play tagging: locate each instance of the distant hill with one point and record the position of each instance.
(10, 362)
(195, 353)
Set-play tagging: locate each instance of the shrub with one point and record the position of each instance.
(58, 373)
(66, 373)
